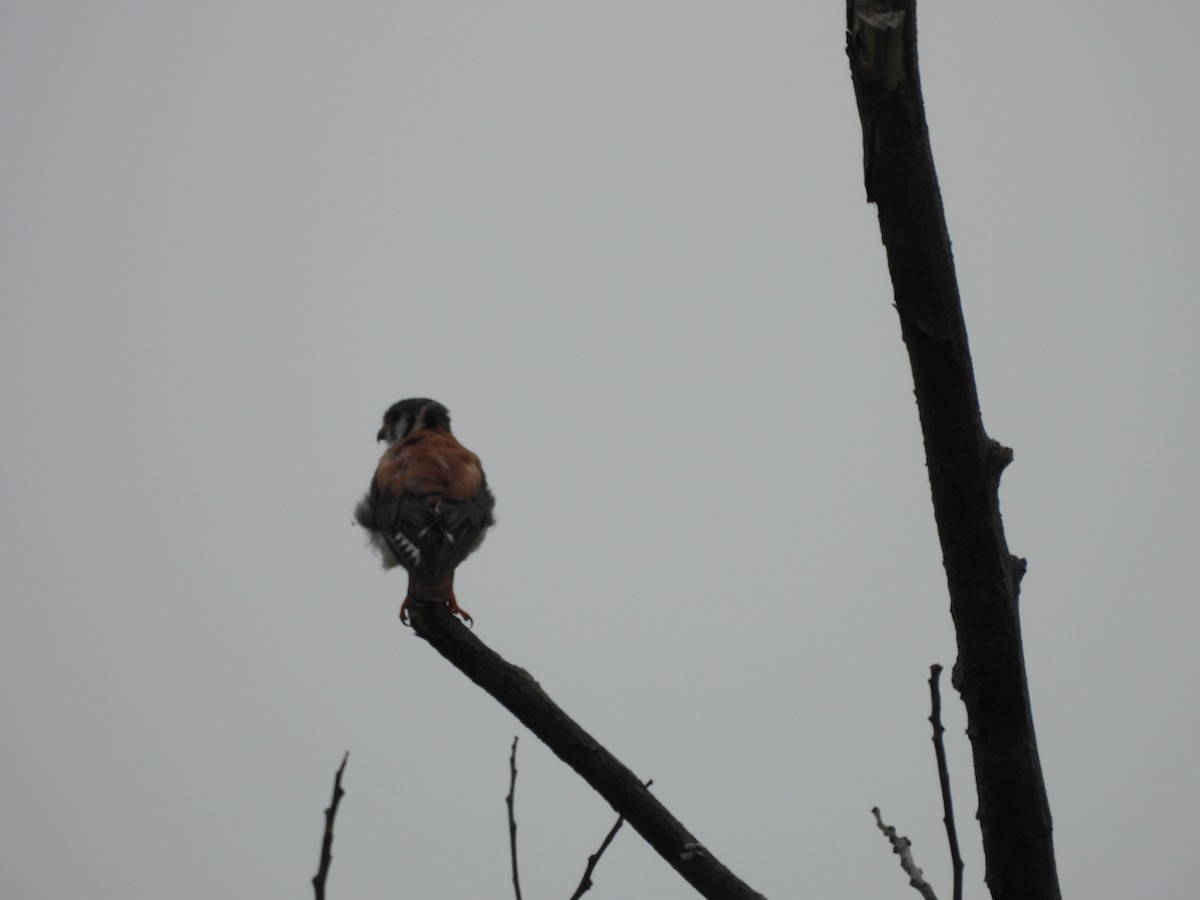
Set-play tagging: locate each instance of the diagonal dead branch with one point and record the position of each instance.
(515, 689)
(939, 749)
(902, 847)
(318, 881)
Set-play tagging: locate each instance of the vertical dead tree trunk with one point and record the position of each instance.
(964, 463)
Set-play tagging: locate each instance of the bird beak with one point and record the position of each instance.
(382, 436)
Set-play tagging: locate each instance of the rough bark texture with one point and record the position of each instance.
(964, 463)
(516, 690)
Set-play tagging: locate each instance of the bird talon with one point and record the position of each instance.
(453, 606)
(450, 603)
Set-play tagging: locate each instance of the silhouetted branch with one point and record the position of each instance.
(963, 463)
(902, 847)
(318, 881)
(512, 819)
(516, 690)
(939, 748)
(585, 883)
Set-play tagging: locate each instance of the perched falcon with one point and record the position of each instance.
(429, 506)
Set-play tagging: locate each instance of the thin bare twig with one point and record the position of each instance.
(935, 719)
(512, 819)
(318, 881)
(902, 847)
(585, 883)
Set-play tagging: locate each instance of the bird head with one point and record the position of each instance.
(407, 416)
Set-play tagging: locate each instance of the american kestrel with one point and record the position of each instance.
(429, 506)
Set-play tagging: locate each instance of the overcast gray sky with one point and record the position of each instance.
(627, 245)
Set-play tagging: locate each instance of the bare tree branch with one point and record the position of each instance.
(585, 883)
(963, 462)
(939, 748)
(318, 881)
(902, 847)
(512, 819)
(516, 690)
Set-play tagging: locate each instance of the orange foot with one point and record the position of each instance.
(450, 601)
